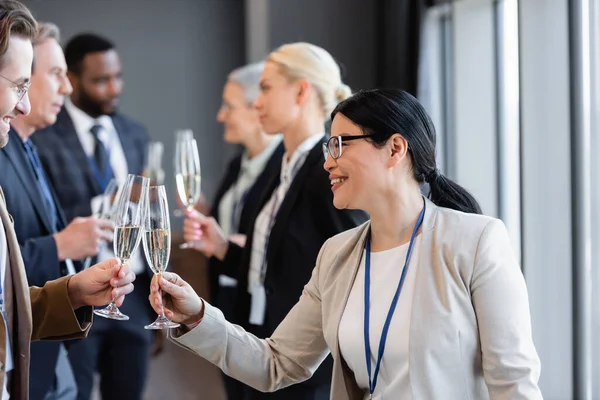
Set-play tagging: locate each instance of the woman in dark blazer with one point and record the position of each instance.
(299, 87)
(245, 179)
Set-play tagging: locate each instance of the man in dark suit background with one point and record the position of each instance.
(90, 143)
(50, 248)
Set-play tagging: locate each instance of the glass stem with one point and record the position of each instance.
(112, 302)
(162, 309)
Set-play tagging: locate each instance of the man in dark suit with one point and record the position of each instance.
(50, 248)
(89, 144)
(59, 310)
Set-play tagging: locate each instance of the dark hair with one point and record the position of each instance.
(385, 112)
(81, 45)
(15, 19)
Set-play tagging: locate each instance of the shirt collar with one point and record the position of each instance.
(84, 122)
(289, 168)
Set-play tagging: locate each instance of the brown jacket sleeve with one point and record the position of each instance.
(53, 315)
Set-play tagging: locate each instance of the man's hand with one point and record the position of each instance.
(100, 284)
(206, 232)
(180, 301)
(82, 237)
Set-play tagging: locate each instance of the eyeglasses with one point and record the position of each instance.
(333, 146)
(21, 88)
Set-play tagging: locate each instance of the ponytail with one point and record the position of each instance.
(443, 192)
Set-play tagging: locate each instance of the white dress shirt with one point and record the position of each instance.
(234, 198)
(264, 223)
(386, 268)
(110, 138)
(9, 364)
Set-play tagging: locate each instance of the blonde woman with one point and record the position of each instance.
(299, 86)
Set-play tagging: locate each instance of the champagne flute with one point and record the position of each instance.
(105, 209)
(157, 242)
(187, 174)
(128, 220)
(154, 169)
(181, 135)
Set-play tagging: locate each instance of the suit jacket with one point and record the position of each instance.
(305, 220)
(249, 209)
(38, 313)
(38, 247)
(470, 328)
(66, 163)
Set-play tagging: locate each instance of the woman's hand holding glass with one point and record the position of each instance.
(176, 298)
(206, 234)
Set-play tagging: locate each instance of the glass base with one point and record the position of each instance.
(111, 311)
(162, 323)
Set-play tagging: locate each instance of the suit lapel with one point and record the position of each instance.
(345, 281)
(66, 132)
(22, 320)
(127, 142)
(314, 156)
(231, 176)
(264, 181)
(16, 155)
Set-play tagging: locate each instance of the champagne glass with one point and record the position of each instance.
(128, 219)
(105, 209)
(157, 242)
(181, 135)
(187, 174)
(154, 169)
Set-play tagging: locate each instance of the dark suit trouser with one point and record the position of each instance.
(225, 301)
(118, 350)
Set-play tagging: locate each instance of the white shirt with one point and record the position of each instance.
(110, 138)
(8, 362)
(264, 223)
(233, 199)
(386, 268)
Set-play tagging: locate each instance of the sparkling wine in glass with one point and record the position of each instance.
(157, 242)
(187, 173)
(128, 219)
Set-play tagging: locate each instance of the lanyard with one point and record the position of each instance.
(388, 320)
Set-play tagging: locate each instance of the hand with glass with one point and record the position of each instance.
(128, 220)
(187, 174)
(157, 242)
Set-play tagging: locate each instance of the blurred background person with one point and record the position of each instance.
(299, 86)
(90, 143)
(50, 248)
(241, 188)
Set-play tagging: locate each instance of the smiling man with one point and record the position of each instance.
(60, 309)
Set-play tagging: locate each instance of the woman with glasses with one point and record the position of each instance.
(425, 301)
(299, 87)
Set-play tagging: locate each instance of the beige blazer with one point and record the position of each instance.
(470, 333)
(37, 313)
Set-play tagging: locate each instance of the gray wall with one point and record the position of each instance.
(175, 60)
(345, 28)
